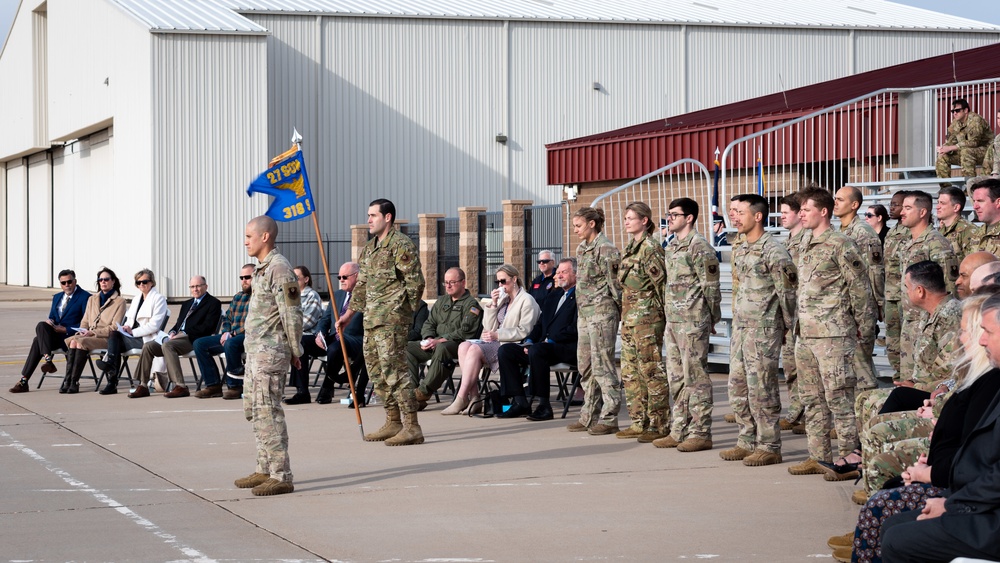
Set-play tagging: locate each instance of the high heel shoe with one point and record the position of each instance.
(457, 406)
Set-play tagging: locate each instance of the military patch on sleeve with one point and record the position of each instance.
(405, 258)
(876, 256)
(474, 311)
(856, 264)
(713, 270)
(292, 295)
(790, 275)
(953, 271)
(655, 272)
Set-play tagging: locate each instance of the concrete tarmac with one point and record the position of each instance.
(107, 478)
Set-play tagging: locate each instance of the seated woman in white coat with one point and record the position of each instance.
(508, 316)
(142, 322)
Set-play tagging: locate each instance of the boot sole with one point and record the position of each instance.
(833, 476)
(413, 442)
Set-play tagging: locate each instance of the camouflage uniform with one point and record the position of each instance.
(878, 439)
(991, 162)
(867, 405)
(762, 309)
(642, 277)
(938, 350)
(788, 348)
(972, 136)
(834, 304)
(598, 302)
(930, 245)
(273, 337)
(871, 248)
(893, 461)
(961, 235)
(390, 285)
(456, 321)
(894, 239)
(987, 239)
(692, 300)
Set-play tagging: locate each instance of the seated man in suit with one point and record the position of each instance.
(552, 341)
(326, 343)
(456, 317)
(50, 335)
(965, 520)
(199, 317)
(230, 341)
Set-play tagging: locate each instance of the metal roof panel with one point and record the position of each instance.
(188, 16)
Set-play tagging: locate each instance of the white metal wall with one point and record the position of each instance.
(40, 220)
(209, 137)
(17, 222)
(17, 104)
(3, 222)
(885, 48)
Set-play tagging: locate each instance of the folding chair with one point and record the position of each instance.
(64, 352)
(130, 354)
(567, 381)
(191, 356)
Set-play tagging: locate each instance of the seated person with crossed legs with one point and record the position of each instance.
(230, 341)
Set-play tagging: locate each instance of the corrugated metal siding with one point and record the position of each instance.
(208, 135)
(886, 48)
(772, 13)
(3, 221)
(40, 223)
(554, 68)
(17, 223)
(190, 16)
(40, 76)
(17, 117)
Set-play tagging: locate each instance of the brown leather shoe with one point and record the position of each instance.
(140, 391)
(232, 393)
(48, 367)
(421, 396)
(694, 445)
(20, 387)
(209, 392)
(177, 391)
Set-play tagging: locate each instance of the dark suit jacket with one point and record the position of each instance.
(354, 329)
(558, 327)
(204, 320)
(973, 505)
(541, 287)
(73, 313)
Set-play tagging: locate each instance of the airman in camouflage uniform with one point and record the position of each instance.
(968, 137)
(894, 239)
(938, 349)
(763, 307)
(642, 277)
(847, 203)
(956, 228)
(834, 305)
(598, 302)
(390, 286)
(693, 299)
(790, 221)
(986, 203)
(925, 244)
(273, 343)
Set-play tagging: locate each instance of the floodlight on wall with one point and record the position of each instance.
(571, 192)
(596, 86)
(501, 138)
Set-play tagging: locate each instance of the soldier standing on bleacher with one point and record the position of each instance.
(968, 137)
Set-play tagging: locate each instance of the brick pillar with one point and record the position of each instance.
(513, 234)
(359, 238)
(468, 245)
(429, 252)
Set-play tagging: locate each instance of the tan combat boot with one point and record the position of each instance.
(694, 444)
(730, 418)
(410, 434)
(807, 467)
(391, 427)
(272, 487)
(846, 540)
(629, 433)
(843, 554)
(761, 458)
(734, 453)
(859, 497)
(251, 480)
(666, 442)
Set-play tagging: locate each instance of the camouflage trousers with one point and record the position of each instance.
(967, 158)
(595, 360)
(385, 357)
(893, 320)
(908, 334)
(826, 386)
(791, 378)
(753, 387)
(893, 461)
(864, 366)
(690, 384)
(646, 387)
(880, 438)
(866, 406)
(991, 162)
(263, 386)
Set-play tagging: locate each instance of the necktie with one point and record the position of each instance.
(190, 311)
(343, 309)
(62, 305)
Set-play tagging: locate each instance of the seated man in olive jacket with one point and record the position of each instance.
(455, 317)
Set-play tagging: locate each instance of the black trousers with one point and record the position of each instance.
(46, 341)
(540, 358)
(904, 539)
(334, 363)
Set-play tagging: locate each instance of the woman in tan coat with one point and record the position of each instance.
(105, 310)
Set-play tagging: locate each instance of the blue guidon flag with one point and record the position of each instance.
(288, 184)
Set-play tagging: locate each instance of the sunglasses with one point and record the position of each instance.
(67, 282)
(502, 282)
(545, 261)
(347, 277)
(103, 279)
(956, 111)
(244, 278)
(142, 282)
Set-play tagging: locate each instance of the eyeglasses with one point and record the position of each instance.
(347, 277)
(245, 277)
(197, 286)
(676, 215)
(446, 282)
(956, 111)
(103, 279)
(869, 215)
(67, 282)
(545, 261)
(142, 282)
(503, 282)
